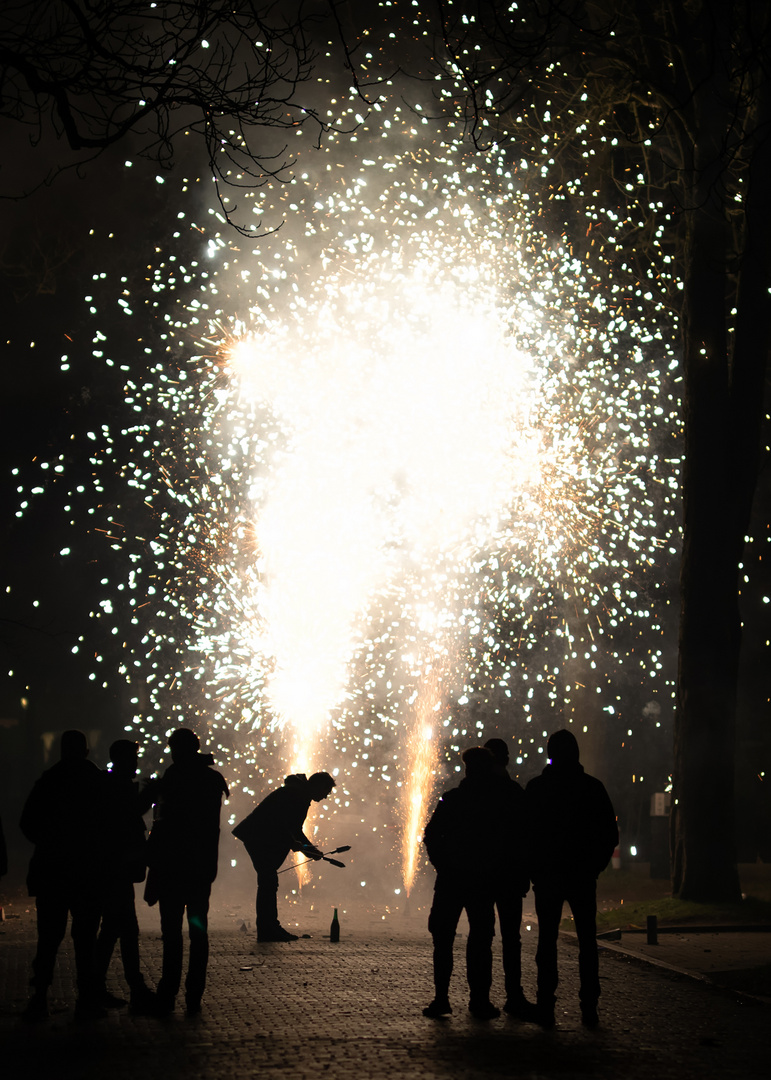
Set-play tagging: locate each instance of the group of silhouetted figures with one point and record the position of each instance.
(488, 839)
(90, 848)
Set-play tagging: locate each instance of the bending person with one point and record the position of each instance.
(270, 832)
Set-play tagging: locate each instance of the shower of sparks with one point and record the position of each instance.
(372, 386)
(408, 417)
(421, 753)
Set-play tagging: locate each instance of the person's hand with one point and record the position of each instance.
(312, 852)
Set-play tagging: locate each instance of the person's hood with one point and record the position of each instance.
(295, 780)
(194, 761)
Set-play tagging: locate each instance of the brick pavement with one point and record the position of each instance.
(310, 1009)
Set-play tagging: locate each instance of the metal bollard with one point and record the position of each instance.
(652, 924)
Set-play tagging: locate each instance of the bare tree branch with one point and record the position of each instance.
(240, 74)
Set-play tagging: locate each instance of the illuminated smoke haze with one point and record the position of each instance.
(397, 476)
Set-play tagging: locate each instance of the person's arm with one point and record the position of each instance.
(608, 829)
(149, 793)
(300, 843)
(296, 812)
(434, 835)
(33, 815)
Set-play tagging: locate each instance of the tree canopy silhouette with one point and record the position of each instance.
(239, 75)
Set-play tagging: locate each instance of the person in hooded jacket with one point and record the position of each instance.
(572, 833)
(512, 884)
(125, 864)
(64, 818)
(466, 839)
(182, 860)
(270, 832)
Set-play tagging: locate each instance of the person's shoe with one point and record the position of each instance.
(110, 1001)
(589, 1017)
(192, 1006)
(544, 1015)
(164, 1006)
(520, 1008)
(277, 934)
(143, 1001)
(36, 1009)
(438, 1007)
(88, 1009)
(483, 1010)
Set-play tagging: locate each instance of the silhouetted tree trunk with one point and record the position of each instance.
(689, 90)
(723, 409)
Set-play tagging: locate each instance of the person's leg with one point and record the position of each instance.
(480, 908)
(442, 924)
(52, 913)
(266, 863)
(172, 906)
(548, 908)
(582, 898)
(267, 899)
(86, 909)
(198, 928)
(129, 942)
(508, 902)
(109, 932)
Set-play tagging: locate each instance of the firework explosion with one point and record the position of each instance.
(398, 476)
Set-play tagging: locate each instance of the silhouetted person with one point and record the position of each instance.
(64, 817)
(270, 832)
(182, 856)
(465, 840)
(125, 863)
(572, 830)
(511, 884)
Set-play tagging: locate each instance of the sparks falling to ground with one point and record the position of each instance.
(409, 424)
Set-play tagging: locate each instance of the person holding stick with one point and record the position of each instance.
(270, 832)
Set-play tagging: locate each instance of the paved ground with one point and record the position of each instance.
(740, 961)
(310, 1009)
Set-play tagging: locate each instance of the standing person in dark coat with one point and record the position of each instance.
(64, 818)
(465, 840)
(182, 856)
(512, 884)
(573, 833)
(125, 863)
(270, 832)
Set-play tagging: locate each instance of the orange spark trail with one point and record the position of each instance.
(422, 756)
